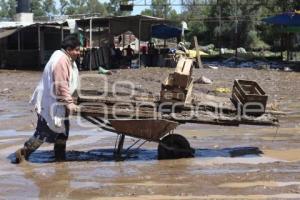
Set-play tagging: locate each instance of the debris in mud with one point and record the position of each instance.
(255, 64)
(287, 69)
(211, 67)
(274, 106)
(222, 90)
(203, 80)
(6, 91)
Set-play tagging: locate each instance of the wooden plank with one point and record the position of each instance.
(183, 116)
(111, 100)
(203, 108)
(197, 52)
(184, 66)
(213, 101)
(117, 112)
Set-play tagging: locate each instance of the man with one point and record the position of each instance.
(129, 53)
(53, 101)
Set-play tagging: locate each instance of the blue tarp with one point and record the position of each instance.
(286, 19)
(163, 31)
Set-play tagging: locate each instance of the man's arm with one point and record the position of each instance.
(61, 77)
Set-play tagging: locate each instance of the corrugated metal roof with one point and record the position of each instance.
(8, 25)
(7, 32)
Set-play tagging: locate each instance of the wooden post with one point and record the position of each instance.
(165, 17)
(197, 52)
(39, 45)
(91, 43)
(99, 38)
(220, 27)
(123, 40)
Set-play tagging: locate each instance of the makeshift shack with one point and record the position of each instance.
(101, 53)
(290, 25)
(29, 45)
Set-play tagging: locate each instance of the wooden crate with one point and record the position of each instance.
(171, 96)
(245, 91)
(178, 85)
(184, 66)
(181, 81)
(175, 89)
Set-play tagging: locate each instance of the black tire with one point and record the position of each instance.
(174, 146)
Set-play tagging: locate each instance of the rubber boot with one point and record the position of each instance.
(60, 150)
(21, 155)
(30, 146)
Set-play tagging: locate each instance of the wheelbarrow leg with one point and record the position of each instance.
(118, 151)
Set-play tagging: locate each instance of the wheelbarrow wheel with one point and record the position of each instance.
(174, 146)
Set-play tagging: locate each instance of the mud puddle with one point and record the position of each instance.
(291, 155)
(246, 162)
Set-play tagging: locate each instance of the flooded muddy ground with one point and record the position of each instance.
(245, 162)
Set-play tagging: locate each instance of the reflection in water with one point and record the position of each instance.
(52, 181)
(140, 155)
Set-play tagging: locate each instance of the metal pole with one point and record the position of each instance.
(19, 40)
(91, 43)
(62, 32)
(139, 43)
(220, 27)
(99, 38)
(39, 38)
(165, 17)
(236, 30)
(288, 47)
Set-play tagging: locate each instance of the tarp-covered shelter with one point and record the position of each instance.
(29, 45)
(285, 19)
(292, 29)
(290, 22)
(139, 25)
(163, 31)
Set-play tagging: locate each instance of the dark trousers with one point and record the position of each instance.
(44, 134)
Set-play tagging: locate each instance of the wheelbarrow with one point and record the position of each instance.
(170, 145)
(136, 117)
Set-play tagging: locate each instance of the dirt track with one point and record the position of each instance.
(91, 172)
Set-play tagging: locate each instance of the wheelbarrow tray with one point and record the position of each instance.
(147, 129)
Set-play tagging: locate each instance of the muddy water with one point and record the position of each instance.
(227, 164)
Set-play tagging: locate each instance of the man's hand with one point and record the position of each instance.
(72, 108)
